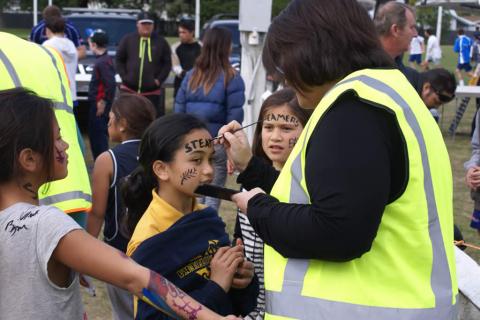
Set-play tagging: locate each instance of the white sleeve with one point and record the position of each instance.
(53, 224)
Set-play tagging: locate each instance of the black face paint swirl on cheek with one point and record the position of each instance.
(190, 173)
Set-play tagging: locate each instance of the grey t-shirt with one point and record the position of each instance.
(28, 236)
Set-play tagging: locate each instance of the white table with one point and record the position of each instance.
(463, 94)
(467, 91)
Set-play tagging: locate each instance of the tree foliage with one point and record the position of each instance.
(427, 18)
(175, 8)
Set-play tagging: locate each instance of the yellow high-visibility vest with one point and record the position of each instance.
(409, 272)
(26, 64)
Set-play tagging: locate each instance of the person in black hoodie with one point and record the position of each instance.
(101, 92)
(143, 62)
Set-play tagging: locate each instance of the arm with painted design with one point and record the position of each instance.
(81, 252)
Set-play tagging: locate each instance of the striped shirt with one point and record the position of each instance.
(254, 252)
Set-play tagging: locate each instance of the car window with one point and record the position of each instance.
(116, 28)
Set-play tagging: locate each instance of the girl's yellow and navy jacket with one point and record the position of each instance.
(180, 247)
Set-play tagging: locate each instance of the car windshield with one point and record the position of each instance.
(116, 28)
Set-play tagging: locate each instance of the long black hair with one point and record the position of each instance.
(160, 142)
(26, 122)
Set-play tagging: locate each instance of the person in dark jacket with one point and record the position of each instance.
(144, 61)
(101, 93)
(214, 92)
(184, 53)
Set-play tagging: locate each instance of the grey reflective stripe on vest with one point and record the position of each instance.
(308, 308)
(62, 106)
(297, 195)
(72, 195)
(10, 69)
(290, 303)
(59, 105)
(17, 83)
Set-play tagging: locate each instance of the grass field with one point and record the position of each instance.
(459, 150)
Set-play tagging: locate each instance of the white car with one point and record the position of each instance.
(115, 22)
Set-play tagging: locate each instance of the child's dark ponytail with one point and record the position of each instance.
(136, 192)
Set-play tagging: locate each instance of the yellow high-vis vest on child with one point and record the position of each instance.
(409, 272)
(26, 64)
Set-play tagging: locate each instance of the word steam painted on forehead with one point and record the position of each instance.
(288, 118)
(197, 144)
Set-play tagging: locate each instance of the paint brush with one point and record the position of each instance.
(248, 125)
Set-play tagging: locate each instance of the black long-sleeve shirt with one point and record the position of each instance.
(128, 61)
(355, 165)
(102, 84)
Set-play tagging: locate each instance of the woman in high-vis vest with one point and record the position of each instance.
(41, 69)
(358, 224)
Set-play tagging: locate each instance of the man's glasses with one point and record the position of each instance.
(444, 98)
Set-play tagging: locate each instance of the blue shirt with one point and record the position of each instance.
(462, 46)
(38, 33)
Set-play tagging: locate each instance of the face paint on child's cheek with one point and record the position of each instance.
(292, 142)
(197, 144)
(282, 117)
(188, 174)
(60, 156)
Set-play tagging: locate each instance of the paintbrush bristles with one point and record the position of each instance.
(248, 125)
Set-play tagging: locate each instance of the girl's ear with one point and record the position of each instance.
(29, 161)
(122, 125)
(160, 169)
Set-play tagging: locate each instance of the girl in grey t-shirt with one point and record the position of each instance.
(41, 248)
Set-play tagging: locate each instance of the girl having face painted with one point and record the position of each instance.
(282, 123)
(175, 235)
(129, 117)
(42, 248)
(214, 92)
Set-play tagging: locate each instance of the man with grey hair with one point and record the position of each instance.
(395, 25)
